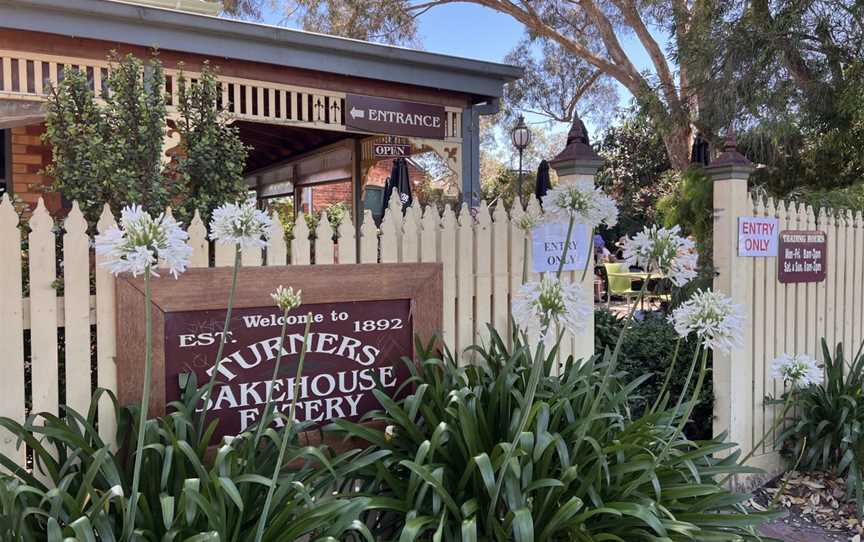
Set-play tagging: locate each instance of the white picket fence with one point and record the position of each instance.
(482, 257)
(781, 318)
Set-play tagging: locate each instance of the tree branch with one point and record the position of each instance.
(667, 82)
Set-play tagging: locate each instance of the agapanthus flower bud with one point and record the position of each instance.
(286, 298)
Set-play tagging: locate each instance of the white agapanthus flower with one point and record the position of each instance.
(528, 221)
(581, 201)
(797, 370)
(137, 245)
(539, 305)
(663, 251)
(716, 320)
(286, 298)
(240, 224)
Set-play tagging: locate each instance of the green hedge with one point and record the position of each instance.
(648, 348)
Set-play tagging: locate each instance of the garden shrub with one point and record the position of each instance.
(647, 349)
(80, 488)
(586, 469)
(826, 421)
(107, 147)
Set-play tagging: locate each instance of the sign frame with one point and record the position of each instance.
(203, 289)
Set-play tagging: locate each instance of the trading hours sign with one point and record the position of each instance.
(361, 327)
(802, 256)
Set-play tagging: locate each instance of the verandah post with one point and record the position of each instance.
(579, 162)
(733, 371)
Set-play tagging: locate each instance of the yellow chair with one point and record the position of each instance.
(619, 286)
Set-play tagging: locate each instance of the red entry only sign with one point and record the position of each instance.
(758, 236)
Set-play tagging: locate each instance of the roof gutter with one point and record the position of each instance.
(226, 38)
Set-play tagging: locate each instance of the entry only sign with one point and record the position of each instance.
(547, 242)
(803, 256)
(757, 236)
(364, 319)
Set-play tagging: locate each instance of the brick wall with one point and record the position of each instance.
(326, 194)
(29, 157)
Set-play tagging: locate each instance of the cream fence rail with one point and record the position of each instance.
(482, 257)
(781, 318)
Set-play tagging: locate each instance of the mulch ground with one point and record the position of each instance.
(817, 507)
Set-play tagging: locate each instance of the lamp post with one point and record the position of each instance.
(521, 137)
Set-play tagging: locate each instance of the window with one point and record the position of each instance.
(5, 162)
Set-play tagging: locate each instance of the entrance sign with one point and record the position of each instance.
(802, 256)
(390, 147)
(547, 242)
(394, 117)
(758, 236)
(363, 322)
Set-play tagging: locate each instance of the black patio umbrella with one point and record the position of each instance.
(404, 185)
(400, 182)
(544, 183)
(388, 186)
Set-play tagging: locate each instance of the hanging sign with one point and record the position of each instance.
(803, 256)
(547, 242)
(363, 323)
(394, 117)
(758, 236)
(390, 147)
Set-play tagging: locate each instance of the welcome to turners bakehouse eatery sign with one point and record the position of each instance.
(364, 319)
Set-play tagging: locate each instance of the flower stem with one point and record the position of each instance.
(668, 378)
(782, 487)
(697, 391)
(777, 421)
(222, 340)
(265, 417)
(610, 368)
(289, 427)
(566, 246)
(525, 259)
(145, 403)
(589, 258)
(689, 377)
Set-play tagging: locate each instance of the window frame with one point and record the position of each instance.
(7, 155)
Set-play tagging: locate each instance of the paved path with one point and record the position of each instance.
(790, 533)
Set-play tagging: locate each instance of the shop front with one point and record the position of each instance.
(327, 120)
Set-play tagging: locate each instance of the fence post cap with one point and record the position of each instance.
(578, 157)
(731, 164)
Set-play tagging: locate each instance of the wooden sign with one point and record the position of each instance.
(391, 147)
(363, 322)
(803, 256)
(394, 117)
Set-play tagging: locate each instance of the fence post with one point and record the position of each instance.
(733, 371)
(579, 162)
